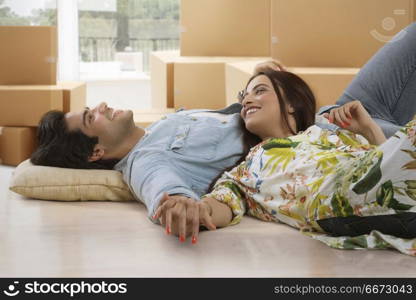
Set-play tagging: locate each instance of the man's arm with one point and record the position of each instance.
(270, 64)
(151, 179)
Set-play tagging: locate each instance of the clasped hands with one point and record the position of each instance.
(183, 216)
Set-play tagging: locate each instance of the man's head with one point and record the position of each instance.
(90, 139)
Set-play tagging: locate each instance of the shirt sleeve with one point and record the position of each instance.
(326, 108)
(150, 180)
(227, 190)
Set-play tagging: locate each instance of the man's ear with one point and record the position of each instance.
(97, 153)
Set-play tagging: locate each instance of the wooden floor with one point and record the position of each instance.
(103, 239)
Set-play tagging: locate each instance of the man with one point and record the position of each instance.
(179, 155)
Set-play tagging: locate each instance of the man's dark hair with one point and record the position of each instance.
(60, 147)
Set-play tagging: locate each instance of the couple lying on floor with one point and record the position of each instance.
(341, 182)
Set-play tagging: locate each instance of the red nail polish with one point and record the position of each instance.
(194, 240)
(181, 238)
(168, 230)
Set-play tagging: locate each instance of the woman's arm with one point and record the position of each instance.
(374, 135)
(355, 118)
(221, 214)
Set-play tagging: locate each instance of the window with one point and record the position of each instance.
(27, 12)
(121, 33)
(118, 33)
(105, 43)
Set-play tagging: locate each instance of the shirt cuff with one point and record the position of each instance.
(326, 108)
(177, 191)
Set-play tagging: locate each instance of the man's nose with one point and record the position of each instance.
(102, 107)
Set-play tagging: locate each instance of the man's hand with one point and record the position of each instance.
(270, 64)
(354, 117)
(182, 216)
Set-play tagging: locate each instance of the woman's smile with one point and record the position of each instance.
(252, 110)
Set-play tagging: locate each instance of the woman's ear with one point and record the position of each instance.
(97, 153)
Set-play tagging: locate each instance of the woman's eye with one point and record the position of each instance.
(259, 91)
(90, 118)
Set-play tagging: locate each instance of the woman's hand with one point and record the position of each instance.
(182, 216)
(352, 116)
(270, 64)
(355, 118)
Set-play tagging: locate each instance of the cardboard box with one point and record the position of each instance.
(161, 78)
(225, 28)
(25, 105)
(327, 84)
(28, 55)
(236, 77)
(145, 117)
(190, 82)
(16, 144)
(74, 95)
(335, 33)
(199, 85)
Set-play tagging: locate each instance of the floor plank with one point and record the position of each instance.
(103, 239)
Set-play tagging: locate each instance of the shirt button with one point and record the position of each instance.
(193, 119)
(164, 117)
(224, 122)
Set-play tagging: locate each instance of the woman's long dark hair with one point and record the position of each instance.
(290, 89)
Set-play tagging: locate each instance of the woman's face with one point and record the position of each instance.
(261, 110)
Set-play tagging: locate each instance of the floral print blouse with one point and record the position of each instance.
(320, 174)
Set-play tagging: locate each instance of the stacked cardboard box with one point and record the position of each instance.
(145, 117)
(190, 82)
(300, 33)
(213, 33)
(28, 88)
(225, 27)
(323, 41)
(335, 33)
(16, 144)
(28, 55)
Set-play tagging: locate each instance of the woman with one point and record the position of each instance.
(319, 181)
(351, 178)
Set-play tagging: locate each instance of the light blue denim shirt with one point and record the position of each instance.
(322, 110)
(181, 154)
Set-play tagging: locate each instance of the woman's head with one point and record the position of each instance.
(277, 104)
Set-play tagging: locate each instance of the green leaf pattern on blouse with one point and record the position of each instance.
(320, 174)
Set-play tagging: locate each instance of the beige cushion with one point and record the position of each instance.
(51, 183)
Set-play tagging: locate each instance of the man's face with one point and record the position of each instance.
(109, 125)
